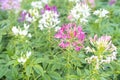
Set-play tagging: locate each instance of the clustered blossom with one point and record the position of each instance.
(10, 4)
(71, 35)
(24, 16)
(49, 8)
(76, 1)
(101, 13)
(101, 47)
(24, 58)
(19, 31)
(111, 2)
(39, 4)
(49, 18)
(80, 13)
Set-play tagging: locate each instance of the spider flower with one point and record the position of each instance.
(10, 4)
(111, 2)
(103, 49)
(24, 57)
(71, 35)
(80, 13)
(49, 8)
(23, 16)
(101, 13)
(49, 18)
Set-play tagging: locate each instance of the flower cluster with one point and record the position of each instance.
(111, 2)
(101, 48)
(24, 58)
(101, 13)
(24, 16)
(19, 31)
(49, 18)
(10, 4)
(80, 13)
(71, 35)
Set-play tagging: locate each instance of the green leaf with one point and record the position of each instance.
(38, 69)
(46, 77)
(28, 70)
(78, 71)
(3, 71)
(55, 75)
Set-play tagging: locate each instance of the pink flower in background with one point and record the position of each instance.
(49, 8)
(111, 2)
(10, 4)
(71, 35)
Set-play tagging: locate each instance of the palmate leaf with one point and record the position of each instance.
(3, 71)
(54, 75)
(38, 69)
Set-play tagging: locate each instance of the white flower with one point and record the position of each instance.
(80, 13)
(22, 60)
(15, 30)
(35, 14)
(49, 20)
(26, 26)
(44, 1)
(28, 18)
(37, 4)
(29, 35)
(23, 32)
(74, 1)
(101, 13)
(19, 31)
(28, 54)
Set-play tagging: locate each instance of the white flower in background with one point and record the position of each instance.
(22, 32)
(80, 13)
(45, 1)
(35, 13)
(49, 20)
(24, 58)
(28, 54)
(76, 1)
(101, 13)
(37, 4)
(15, 30)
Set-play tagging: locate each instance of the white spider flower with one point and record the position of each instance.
(37, 4)
(74, 1)
(101, 13)
(49, 20)
(15, 30)
(28, 54)
(35, 15)
(80, 13)
(22, 60)
(19, 31)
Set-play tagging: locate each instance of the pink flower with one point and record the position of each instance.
(10, 4)
(111, 2)
(71, 35)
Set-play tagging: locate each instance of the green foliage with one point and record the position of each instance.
(48, 61)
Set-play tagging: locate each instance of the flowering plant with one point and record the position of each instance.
(49, 40)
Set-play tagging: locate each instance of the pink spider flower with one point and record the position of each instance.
(111, 2)
(71, 35)
(10, 4)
